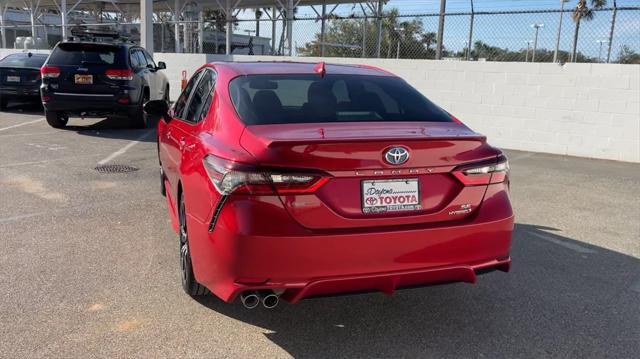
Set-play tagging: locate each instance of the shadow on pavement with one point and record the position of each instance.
(562, 298)
(25, 108)
(111, 127)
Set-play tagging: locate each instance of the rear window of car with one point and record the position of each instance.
(23, 61)
(281, 99)
(86, 54)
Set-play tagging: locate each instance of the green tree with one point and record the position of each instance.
(580, 13)
(628, 56)
(344, 38)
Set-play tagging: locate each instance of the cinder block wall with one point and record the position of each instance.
(587, 110)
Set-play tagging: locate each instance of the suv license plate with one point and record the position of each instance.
(391, 195)
(84, 79)
(13, 78)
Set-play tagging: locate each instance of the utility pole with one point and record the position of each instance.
(537, 27)
(468, 57)
(613, 26)
(600, 50)
(443, 6)
(379, 31)
(555, 53)
(526, 58)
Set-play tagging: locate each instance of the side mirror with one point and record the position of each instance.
(161, 65)
(157, 109)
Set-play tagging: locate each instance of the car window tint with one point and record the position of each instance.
(200, 97)
(87, 54)
(23, 60)
(141, 59)
(149, 59)
(273, 99)
(180, 104)
(135, 60)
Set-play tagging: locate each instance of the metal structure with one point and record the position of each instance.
(334, 28)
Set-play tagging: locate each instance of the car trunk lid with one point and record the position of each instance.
(352, 155)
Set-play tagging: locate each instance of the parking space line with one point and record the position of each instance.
(125, 148)
(16, 164)
(28, 134)
(572, 246)
(21, 124)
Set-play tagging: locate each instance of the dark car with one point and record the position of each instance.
(92, 78)
(20, 77)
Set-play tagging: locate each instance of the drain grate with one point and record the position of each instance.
(115, 169)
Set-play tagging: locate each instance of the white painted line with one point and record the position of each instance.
(572, 246)
(125, 148)
(16, 164)
(28, 134)
(21, 124)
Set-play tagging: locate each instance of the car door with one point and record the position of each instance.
(156, 90)
(186, 131)
(168, 136)
(141, 69)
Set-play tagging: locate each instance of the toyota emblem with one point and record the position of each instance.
(396, 155)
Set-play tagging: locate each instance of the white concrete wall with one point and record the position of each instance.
(587, 110)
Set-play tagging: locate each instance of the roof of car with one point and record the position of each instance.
(286, 67)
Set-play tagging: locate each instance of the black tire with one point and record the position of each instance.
(4, 102)
(189, 283)
(56, 119)
(140, 119)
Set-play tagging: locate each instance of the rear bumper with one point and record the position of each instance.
(305, 263)
(89, 104)
(20, 91)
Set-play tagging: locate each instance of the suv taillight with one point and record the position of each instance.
(232, 177)
(117, 74)
(50, 72)
(483, 173)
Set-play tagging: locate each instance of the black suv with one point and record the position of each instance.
(91, 77)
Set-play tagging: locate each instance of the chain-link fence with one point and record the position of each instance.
(610, 35)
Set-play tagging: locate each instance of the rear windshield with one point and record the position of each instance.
(85, 54)
(281, 99)
(23, 60)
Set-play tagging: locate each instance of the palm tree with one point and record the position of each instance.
(583, 12)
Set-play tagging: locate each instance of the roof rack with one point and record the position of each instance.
(106, 36)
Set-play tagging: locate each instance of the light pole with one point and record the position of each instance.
(600, 50)
(526, 58)
(399, 30)
(537, 27)
(555, 53)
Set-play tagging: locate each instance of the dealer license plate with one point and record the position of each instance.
(84, 79)
(13, 78)
(390, 195)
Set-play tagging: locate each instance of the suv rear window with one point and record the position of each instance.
(23, 60)
(281, 99)
(85, 54)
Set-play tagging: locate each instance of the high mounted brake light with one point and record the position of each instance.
(49, 72)
(229, 177)
(116, 74)
(483, 173)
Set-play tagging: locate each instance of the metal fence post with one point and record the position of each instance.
(323, 27)
(443, 6)
(379, 34)
(470, 33)
(613, 26)
(555, 53)
(364, 37)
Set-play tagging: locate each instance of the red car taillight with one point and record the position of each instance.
(49, 72)
(117, 74)
(483, 173)
(232, 177)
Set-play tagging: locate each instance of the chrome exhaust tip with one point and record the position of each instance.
(250, 300)
(270, 300)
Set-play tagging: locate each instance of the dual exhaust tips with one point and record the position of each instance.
(251, 299)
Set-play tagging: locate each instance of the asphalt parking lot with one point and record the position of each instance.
(89, 267)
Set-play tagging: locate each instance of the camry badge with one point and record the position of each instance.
(396, 155)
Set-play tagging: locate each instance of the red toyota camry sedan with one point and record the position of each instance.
(296, 180)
